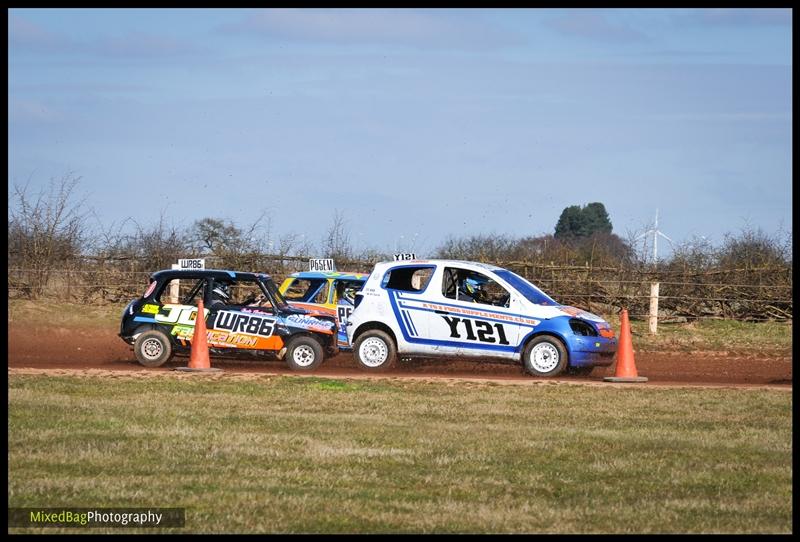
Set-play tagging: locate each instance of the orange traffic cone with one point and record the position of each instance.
(626, 367)
(199, 359)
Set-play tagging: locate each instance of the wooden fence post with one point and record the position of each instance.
(174, 287)
(654, 308)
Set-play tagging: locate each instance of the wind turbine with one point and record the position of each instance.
(656, 232)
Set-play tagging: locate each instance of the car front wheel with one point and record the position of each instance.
(152, 348)
(374, 350)
(303, 353)
(545, 356)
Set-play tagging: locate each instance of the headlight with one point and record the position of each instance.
(579, 327)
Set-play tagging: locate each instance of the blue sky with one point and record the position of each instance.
(414, 124)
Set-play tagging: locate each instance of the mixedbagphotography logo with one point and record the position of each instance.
(97, 517)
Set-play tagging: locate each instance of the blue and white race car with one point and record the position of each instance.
(451, 308)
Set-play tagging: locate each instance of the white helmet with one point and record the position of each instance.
(221, 291)
(350, 293)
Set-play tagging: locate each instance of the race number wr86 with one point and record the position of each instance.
(479, 330)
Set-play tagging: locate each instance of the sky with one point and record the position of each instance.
(414, 125)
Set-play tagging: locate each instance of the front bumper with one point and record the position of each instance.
(591, 351)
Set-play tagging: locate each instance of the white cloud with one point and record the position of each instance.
(742, 17)
(24, 35)
(417, 28)
(594, 25)
(32, 110)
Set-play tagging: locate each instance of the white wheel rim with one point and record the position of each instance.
(373, 352)
(544, 357)
(303, 355)
(152, 348)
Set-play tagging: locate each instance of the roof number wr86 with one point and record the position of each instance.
(192, 263)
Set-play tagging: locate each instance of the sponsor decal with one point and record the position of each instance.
(233, 339)
(150, 309)
(578, 313)
(313, 308)
(178, 314)
(183, 332)
(150, 289)
(254, 311)
(485, 314)
(309, 322)
(218, 338)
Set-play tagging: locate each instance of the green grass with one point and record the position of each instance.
(712, 335)
(308, 455)
(61, 314)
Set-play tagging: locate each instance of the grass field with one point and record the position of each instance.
(276, 454)
(703, 335)
(713, 335)
(62, 314)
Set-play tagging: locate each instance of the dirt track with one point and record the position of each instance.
(62, 348)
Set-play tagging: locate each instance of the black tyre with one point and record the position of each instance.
(153, 348)
(303, 353)
(545, 355)
(375, 350)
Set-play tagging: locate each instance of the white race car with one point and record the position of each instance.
(451, 308)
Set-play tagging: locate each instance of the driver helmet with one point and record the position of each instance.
(221, 291)
(350, 294)
(471, 286)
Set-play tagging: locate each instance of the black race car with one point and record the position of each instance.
(245, 315)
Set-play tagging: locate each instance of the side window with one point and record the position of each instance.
(247, 293)
(473, 287)
(346, 291)
(307, 290)
(296, 290)
(408, 279)
(321, 296)
(176, 291)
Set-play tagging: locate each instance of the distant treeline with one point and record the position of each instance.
(53, 254)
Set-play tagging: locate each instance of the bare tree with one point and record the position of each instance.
(336, 243)
(45, 229)
(231, 245)
(112, 241)
(160, 245)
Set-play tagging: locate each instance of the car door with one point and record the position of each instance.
(408, 288)
(176, 311)
(344, 304)
(247, 321)
(472, 315)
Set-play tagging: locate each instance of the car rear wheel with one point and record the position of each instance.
(152, 348)
(303, 353)
(375, 350)
(545, 356)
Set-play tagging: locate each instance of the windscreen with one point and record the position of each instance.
(280, 302)
(531, 292)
